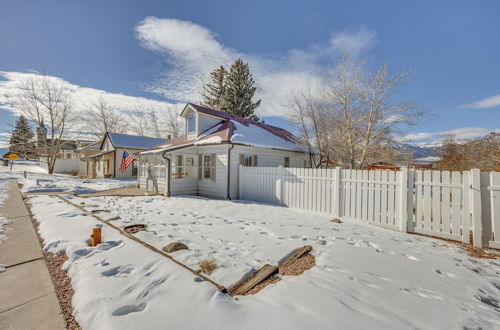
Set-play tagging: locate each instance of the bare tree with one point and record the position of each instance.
(139, 122)
(45, 100)
(355, 115)
(306, 113)
(99, 117)
(173, 123)
(482, 153)
(162, 122)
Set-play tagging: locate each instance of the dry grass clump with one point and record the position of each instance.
(207, 266)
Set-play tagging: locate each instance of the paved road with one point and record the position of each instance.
(27, 296)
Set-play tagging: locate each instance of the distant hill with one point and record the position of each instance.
(420, 152)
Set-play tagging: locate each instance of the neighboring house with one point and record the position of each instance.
(88, 150)
(205, 160)
(106, 162)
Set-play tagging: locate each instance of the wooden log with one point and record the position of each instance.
(296, 255)
(245, 285)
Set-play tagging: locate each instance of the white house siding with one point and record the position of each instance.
(218, 188)
(265, 157)
(186, 186)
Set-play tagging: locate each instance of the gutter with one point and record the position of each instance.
(164, 155)
(229, 171)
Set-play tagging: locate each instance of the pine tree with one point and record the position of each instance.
(21, 140)
(215, 90)
(239, 91)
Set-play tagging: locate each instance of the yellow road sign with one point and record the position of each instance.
(13, 156)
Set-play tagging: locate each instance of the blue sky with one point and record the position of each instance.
(162, 50)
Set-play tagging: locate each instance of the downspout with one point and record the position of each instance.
(114, 165)
(229, 171)
(164, 155)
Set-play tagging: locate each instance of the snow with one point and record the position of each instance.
(365, 277)
(3, 220)
(38, 181)
(251, 135)
(259, 137)
(133, 141)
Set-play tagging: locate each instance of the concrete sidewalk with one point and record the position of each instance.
(27, 296)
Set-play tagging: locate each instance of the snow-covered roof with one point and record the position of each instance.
(133, 141)
(93, 146)
(235, 129)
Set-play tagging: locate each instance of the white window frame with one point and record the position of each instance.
(188, 118)
(207, 167)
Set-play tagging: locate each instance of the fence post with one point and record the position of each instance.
(279, 189)
(240, 181)
(403, 207)
(336, 192)
(475, 188)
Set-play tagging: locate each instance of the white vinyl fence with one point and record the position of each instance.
(67, 166)
(451, 205)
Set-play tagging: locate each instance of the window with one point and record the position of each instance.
(191, 123)
(183, 167)
(207, 166)
(248, 160)
(134, 168)
(178, 164)
(178, 167)
(287, 162)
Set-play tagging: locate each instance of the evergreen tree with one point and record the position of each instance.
(21, 140)
(215, 90)
(239, 91)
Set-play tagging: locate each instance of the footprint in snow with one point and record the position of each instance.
(410, 257)
(421, 292)
(120, 271)
(127, 309)
(440, 272)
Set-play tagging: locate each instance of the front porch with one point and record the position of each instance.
(180, 179)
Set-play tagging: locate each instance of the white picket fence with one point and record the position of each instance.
(450, 205)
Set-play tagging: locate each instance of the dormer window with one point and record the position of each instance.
(191, 123)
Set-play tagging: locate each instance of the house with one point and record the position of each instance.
(205, 160)
(107, 162)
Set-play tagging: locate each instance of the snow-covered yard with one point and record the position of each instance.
(38, 181)
(365, 277)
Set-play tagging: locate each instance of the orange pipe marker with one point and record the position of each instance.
(96, 236)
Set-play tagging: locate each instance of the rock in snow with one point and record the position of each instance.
(174, 246)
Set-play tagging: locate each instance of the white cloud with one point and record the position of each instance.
(9, 82)
(354, 41)
(81, 96)
(489, 102)
(4, 140)
(192, 51)
(434, 138)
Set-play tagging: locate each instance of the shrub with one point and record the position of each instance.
(208, 266)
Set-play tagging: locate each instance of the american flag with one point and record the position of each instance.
(127, 159)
